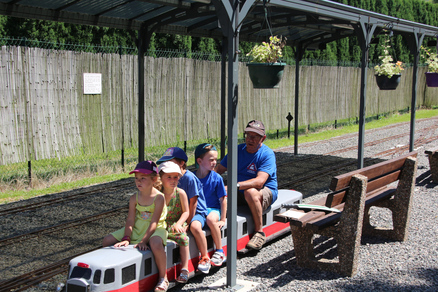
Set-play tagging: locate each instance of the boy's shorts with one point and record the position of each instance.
(214, 210)
(201, 218)
(267, 198)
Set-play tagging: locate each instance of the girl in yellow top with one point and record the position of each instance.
(146, 222)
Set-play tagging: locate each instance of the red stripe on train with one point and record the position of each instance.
(149, 283)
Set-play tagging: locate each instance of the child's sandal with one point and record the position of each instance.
(183, 276)
(162, 285)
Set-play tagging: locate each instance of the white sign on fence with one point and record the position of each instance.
(92, 83)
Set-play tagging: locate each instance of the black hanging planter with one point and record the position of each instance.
(386, 83)
(431, 79)
(265, 75)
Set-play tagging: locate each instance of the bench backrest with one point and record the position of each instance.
(379, 176)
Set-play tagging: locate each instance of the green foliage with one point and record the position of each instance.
(268, 52)
(344, 50)
(431, 59)
(388, 67)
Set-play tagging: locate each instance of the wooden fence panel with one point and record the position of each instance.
(45, 114)
(13, 108)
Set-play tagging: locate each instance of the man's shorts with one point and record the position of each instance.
(267, 198)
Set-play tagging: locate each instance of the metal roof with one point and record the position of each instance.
(310, 22)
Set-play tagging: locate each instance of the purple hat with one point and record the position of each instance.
(173, 152)
(256, 127)
(146, 167)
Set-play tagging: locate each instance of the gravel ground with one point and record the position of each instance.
(383, 265)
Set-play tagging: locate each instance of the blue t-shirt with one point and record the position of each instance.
(192, 186)
(214, 189)
(248, 164)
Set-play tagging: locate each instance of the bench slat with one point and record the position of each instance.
(342, 181)
(312, 215)
(378, 196)
(431, 151)
(383, 181)
(373, 197)
(335, 198)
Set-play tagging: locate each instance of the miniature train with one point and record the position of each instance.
(129, 269)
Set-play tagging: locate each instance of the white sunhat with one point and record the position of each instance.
(169, 167)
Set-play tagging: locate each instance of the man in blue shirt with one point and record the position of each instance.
(256, 176)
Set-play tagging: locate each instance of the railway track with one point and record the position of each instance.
(53, 201)
(60, 227)
(23, 281)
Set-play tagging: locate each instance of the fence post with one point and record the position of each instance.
(121, 112)
(289, 118)
(29, 172)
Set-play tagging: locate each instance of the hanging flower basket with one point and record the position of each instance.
(388, 83)
(265, 70)
(265, 75)
(388, 73)
(432, 66)
(431, 79)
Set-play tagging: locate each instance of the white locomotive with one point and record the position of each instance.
(129, 269)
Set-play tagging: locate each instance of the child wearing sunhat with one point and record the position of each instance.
(192, 186)
(177, 213)
(145, 223)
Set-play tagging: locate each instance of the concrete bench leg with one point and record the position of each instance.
(347, 234)
(403, 199)
(433, 163)
(303, 245)
(400, 206)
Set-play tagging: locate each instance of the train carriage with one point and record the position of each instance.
(130, 269)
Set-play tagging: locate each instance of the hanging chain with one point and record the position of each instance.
(266, 17)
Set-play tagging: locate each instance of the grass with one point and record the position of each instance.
(72, 179)
(328, 132)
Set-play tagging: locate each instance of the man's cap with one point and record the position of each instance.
(171, 153)
(201, 150)
(256, 127)
(169, 167)
(146, 167)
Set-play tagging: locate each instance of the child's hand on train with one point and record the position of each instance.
(177, 228)
(122, 243)
(142, 246)
(220, 224)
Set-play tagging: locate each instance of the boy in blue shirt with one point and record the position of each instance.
(197, 205)
(215, 196)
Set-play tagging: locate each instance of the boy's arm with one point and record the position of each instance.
(193, 205)
(223, 209)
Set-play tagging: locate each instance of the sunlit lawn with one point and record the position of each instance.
(316, 133)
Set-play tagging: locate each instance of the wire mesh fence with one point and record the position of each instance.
(32, 172)
(160, 53)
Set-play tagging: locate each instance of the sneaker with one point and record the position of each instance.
(218, 258)
(204, 265)
(257, 241)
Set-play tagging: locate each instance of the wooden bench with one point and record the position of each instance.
(433, 163)
(354, 193)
